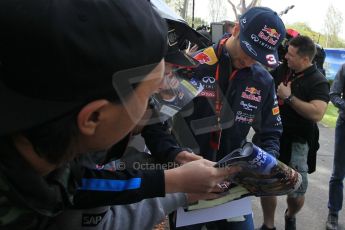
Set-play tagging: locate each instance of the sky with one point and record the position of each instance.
(312, 12)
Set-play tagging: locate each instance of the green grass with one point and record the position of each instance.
(331, 116)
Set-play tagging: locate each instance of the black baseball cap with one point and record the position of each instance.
(261, 33)
(58, 55)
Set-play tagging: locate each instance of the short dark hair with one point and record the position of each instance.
(305, 46)
(55, 140)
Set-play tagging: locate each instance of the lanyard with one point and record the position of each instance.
(290, 76)
(216, 135)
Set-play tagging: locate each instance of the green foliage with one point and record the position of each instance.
(338, 44)
(177, 6)
(330, 118)
(319, 38)
(197, 22)
(332, 25)
(300, 26)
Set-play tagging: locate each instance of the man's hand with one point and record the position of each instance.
(191, 50)
(198, 176)
(312, 110)
(184, 157)
(284, 91)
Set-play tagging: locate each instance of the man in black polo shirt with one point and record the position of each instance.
(303, 96)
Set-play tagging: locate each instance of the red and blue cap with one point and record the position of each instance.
(261, 33)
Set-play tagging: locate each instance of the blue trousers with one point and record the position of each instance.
(336, 183)
(248, 224)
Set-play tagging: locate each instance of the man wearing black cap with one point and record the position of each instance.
(238, 94)
(70, 84)
(135, 216)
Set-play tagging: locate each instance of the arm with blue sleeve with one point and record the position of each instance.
(268, 127)
(100, 187)
(161, 143)
(115, 182)
(338, 88)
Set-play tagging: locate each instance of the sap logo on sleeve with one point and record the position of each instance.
(91, 220)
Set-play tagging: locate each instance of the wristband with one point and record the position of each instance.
(288, 100)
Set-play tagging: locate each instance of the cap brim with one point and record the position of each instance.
(181, 26)
(269, 59)
(181, 59)
(21, 112)
(185, 32)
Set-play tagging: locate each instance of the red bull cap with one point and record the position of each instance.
(262, 31)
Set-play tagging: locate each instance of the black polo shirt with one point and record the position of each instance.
(307, 85)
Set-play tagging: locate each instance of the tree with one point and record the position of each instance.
(304, 29)
(180, 6)
(216, 10)
(197, 21)
(242, 7)
(184, 9)
(332, 26)
(301, 27)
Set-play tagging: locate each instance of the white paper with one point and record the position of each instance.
(224, 211)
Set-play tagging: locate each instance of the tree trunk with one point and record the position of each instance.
(242, 7)
(184, 10)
